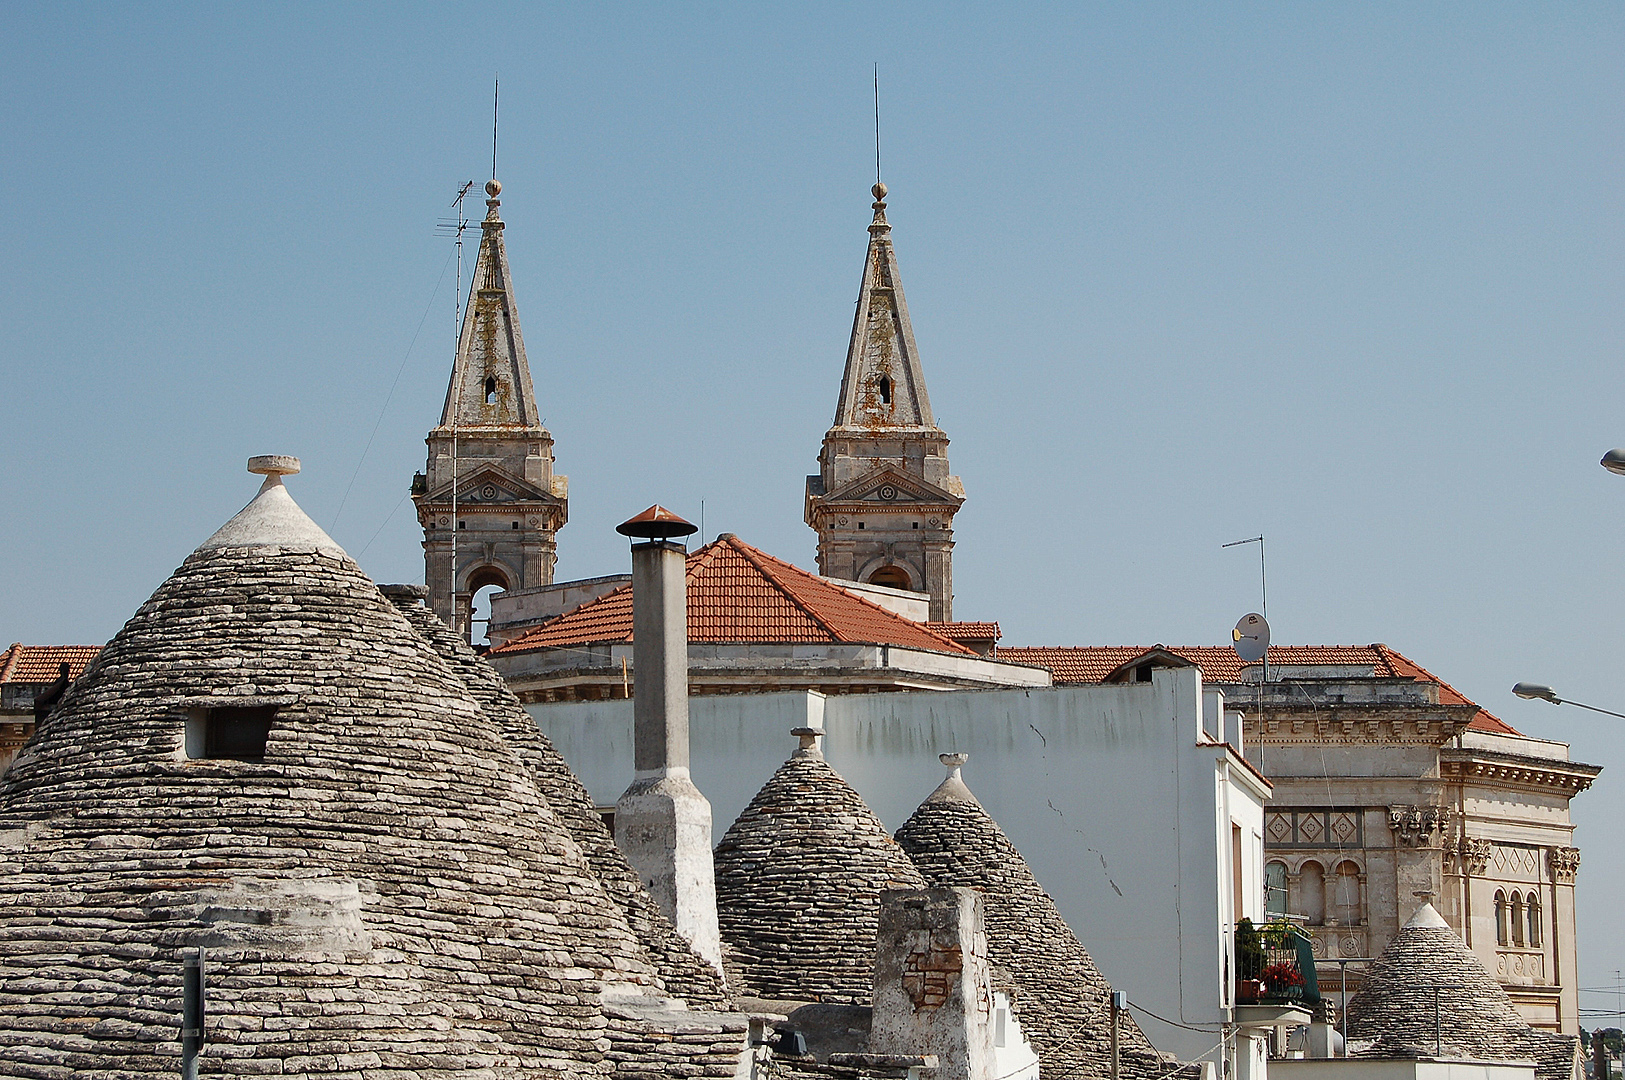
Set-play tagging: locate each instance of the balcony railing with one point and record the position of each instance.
(1275, 965)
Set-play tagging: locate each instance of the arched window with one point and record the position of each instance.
(885, 389)
(1516, 918)
(893, 577)
(1346, 895)
(1311, 898)
(490, 390)
(1503, 933)
(1531, 909)
(1275, 890)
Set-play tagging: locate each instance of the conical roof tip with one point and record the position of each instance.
(656, 523)
(1427, 915)
(953, 787)
(272, 519)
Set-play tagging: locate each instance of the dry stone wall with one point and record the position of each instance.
(799, 877)
(1060, 997)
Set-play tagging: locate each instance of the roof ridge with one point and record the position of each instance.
(953, 646)
(514, 645)
(13, 654)
(1385, 650)
(750, 554)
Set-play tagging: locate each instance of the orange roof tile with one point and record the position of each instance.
(1219, 663)
(42, 663)
(740, 594)
(966, 631)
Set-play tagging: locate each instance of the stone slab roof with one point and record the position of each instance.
(43, 663)
(1427, 967)
(1061, 998)
(1219, 663)
(799, 876)
(740, 594)
(682, 971)
(384, 889)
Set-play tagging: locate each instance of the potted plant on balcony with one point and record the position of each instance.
(1282, 981)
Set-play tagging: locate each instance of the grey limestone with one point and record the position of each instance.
(1061, 998)
(1428, 994)
(799, 877)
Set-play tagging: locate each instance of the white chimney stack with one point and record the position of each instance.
(662, 822)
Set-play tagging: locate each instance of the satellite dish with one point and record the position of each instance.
(1251, 638)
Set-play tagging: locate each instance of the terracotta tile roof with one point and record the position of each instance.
(42, 663)
(1219, 663)
(740, 594)
(966, 631)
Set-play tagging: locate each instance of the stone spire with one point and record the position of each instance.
(883, 501)
(509, 504)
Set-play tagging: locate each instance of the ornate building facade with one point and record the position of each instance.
(883, 502)
(489, 501)
(1394, 790)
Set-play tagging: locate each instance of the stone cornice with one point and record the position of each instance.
(1487, 766)
(1381, 723)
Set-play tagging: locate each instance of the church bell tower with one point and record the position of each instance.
(489, 501)
(883, 502)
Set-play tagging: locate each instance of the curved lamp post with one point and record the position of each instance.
(1532, 691)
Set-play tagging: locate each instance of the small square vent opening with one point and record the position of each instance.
(229, 732)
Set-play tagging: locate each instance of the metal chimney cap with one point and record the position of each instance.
(273, 465)
(656, 523)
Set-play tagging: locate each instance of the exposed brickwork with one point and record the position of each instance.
(799, 878)
(1061, 999)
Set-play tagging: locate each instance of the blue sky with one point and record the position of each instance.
(1349, 276)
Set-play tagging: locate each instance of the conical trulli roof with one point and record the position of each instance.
(1427, 967)
(682, 971)
(1062, 1000)
(799, 877)
(379, 883)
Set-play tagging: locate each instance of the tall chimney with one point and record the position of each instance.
(662, 822)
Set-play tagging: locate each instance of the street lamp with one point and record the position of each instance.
(1532, 691)
(1614, 461)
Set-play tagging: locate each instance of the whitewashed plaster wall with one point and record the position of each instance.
(1120, 803)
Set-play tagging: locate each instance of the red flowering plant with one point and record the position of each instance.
(1281, 976)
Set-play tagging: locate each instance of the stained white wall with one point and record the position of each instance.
(1120, 803)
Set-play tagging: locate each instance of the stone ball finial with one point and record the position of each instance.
(953, 761)
(273, 465)
(879, 190)
(493, 187)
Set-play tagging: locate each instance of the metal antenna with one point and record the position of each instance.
(495, 91)
(877, 121)
(456, 228)
(1263, 582)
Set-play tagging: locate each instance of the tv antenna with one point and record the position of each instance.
(455, 227)
(1263, 584)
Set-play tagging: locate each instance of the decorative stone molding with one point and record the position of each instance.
(1563, 862)
(1468, 855)
(1414, 826)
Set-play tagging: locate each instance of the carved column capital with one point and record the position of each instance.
(1414, 826)
(1469, 855)
(1563, 862)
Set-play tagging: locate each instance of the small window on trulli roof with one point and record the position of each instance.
(230, 733)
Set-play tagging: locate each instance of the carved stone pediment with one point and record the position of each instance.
(486, 484)
(890, 486)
